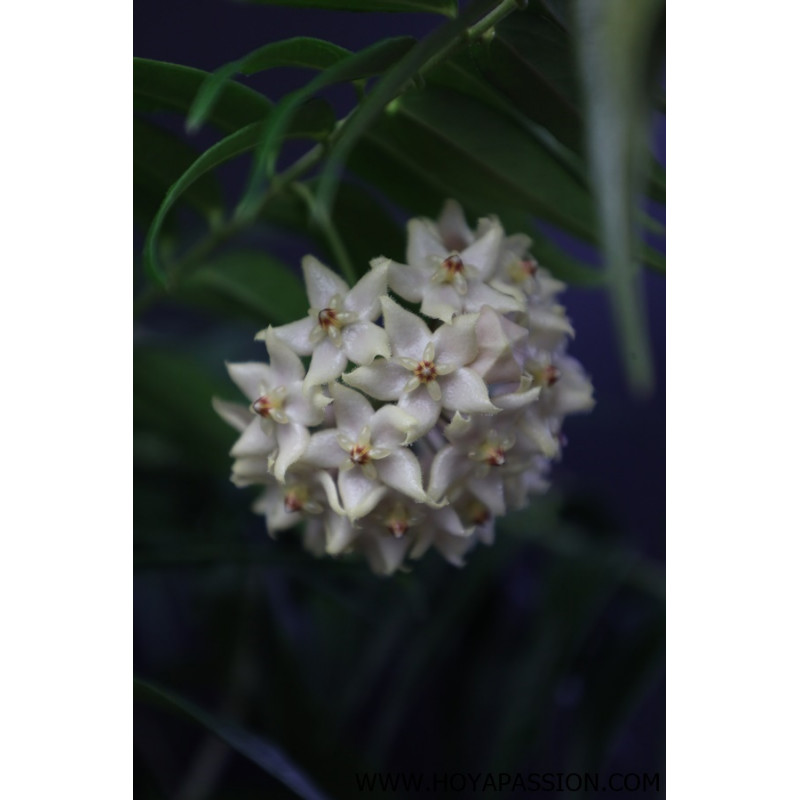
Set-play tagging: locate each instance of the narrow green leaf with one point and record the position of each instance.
(248, 283)
(158, 85)
(426, 53)
(302, 51)
(495, 160)
(616, 686)
(574, 594)
(447, 7)
(231, 146)
(260, 751)
(530, 61)
(146, 202)
(613, 41)
(388, 167)
(460, 73)
(160, 158)
(371, 61)
(316, 121)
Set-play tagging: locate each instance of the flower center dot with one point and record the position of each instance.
(263, 406)
(327, 318)
(496, 457)
(425, 371)
(359, 454)
(453, 265)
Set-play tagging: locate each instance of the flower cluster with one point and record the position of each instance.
(389, 439)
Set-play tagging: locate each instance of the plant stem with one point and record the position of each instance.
(300, 167)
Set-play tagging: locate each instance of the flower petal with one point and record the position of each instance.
(306, 406)
(401, 471)
(408, 333)
(363, 298)
(384, 553)
(359, 493)
(423, 241)
(285, 364)
(456, 344)
(448, 468)
(484, 252)
(324, 450)
(255, 440)
(295, 334)
(235, 414)
(271, 505)
(447, 520)
(363, 341)
(322, 283)
(453, 228)
(465, 391)
(480, 294)
(339, 534)
(391, 427)
(489, 490)
(517, 399)
(453, 548)
(353, 410)
(292, 442)
(441, 301)
(250, 470)
(422, 407)
(251, 377)
(407, 281)
(327, 364)
(329, 487)
(383, 380)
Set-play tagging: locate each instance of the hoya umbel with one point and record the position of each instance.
(411, 427)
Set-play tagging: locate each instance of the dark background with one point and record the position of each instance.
(235, 637)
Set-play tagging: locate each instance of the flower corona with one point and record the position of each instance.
(431, 405)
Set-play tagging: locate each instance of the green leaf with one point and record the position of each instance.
(494, 163)
(302, 51)
(159, 159)
(314, 122)
(371, 61)
(574, 594)
(531, 62)
(146, 202)
(158, 86)
(460, 73)
(231, 146)
(389, 168)
(447, 7)
(260, 751)
(613, 41)
(172, 398)
(248, 283)
(617, 684)
(425, 54)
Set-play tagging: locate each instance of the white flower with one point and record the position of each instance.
(340, 326)
(427, 371)
(281, 411)
(470, 404)
(446, 281)
(368, 448)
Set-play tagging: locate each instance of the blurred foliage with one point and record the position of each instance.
(311, 670)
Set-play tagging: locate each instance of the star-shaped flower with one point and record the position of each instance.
(428, 370)
(282, 411)
(340, 326)
(368, 448)
(448, 281)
